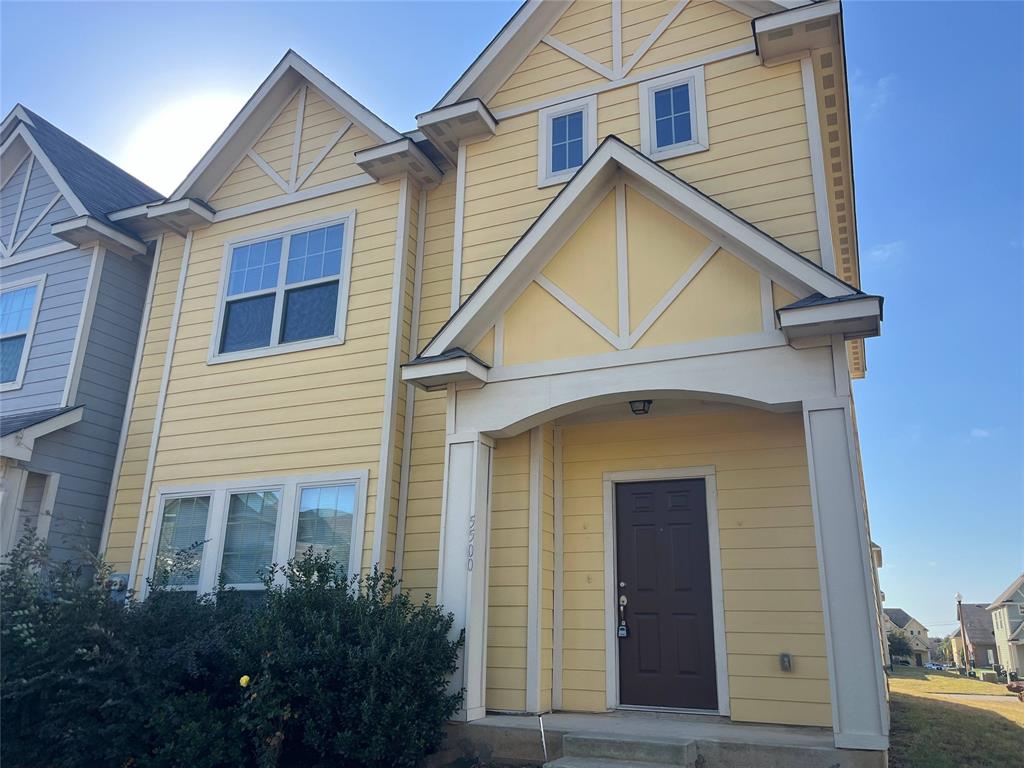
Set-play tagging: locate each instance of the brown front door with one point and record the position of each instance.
(663, 571)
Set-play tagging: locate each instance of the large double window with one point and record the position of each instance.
(239, 530)
(284, 291)
(19, 306)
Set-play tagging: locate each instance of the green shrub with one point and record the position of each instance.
(340, 673)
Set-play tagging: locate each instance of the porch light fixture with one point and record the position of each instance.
(640, 407)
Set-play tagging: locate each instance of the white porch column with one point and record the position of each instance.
(462, 570)
(860, 715)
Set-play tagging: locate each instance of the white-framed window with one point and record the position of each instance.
(241, 528)
(284, 290)
(567, 136)
(19, 310)
(673, 115)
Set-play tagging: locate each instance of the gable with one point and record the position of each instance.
(596, 43)
(30, 201)
(632, 276)
(616, 165)
(309, 143)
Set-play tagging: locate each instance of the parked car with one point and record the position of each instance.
(903, 662)
(933, 665)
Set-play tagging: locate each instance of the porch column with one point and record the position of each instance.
(859, 713)
(462, 570)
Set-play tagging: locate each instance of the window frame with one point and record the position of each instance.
(220, 492)
(698, 114)
(588, 106)
(39, 281)
(276, 347)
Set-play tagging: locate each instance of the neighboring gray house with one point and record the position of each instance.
(73, 285)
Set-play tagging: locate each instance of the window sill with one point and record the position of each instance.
(559, 178)
(280, 349)
(678, 150)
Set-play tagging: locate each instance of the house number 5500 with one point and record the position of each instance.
(469, 549)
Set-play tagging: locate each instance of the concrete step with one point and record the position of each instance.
(639, 749)
(597, 762)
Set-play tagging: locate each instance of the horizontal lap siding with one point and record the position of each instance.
(426, 457)
(49, 357)
(547, 567)
(132, 472)
(769, 561)
(508, 575)
(37, 214)
(324, 406)
(758, 164)
(84, 453)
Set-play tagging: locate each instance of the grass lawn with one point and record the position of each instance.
(920, 680)
(933, 732)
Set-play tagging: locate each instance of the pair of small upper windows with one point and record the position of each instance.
(673, 122)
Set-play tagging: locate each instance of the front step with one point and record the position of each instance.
(609, 751)
(597, 762)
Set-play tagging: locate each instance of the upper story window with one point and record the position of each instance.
(19, 307)
(241, 529)
(287, 290)
(673, 115)
(567, 137)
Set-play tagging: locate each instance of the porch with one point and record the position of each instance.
(621, 739)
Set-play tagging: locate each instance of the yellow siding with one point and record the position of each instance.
(426, 470)
(128, 493)
(758, 164)
(507, 590)
(724, 299)
(275, 145)
(587, 27)
(769, 561)
(293, 413)
(538, 327)
(585, 266)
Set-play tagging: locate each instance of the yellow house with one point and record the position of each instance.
(574, 357)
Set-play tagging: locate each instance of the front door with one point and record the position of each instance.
(663, 575)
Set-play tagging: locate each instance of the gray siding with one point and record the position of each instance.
(50, 354)
(41, 191)
(84, 453)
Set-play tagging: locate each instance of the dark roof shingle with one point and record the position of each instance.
(100, 185)
(15, 422)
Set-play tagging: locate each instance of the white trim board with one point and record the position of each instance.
(609, 481)
(158, 416)
(92, 287)
(392, 378)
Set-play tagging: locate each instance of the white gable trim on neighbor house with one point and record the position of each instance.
(520, 266)
(290, 75)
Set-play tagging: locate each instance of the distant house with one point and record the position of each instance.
(73, 288)
(981, 642)
(1007, 614)
(899, 621)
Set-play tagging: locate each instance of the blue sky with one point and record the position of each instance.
(938, 121)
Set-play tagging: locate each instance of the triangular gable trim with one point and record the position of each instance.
(557, 222)
(259, 112)
(40, 157)
(528, 27)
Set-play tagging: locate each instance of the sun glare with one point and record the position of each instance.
(169, 141)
